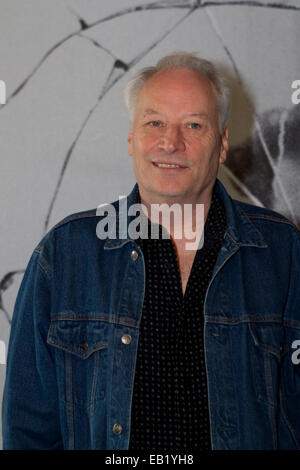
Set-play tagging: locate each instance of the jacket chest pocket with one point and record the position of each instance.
(81, 359)
(265, 360)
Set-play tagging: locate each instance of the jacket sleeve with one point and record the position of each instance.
(30, 408)
(289, 396)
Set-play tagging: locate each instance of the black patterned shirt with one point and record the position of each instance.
(170, 399)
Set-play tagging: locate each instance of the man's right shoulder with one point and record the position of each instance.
(82, 223)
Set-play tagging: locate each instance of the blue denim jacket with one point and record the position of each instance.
(74, 337)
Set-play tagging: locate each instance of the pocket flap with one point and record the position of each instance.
(79, 337)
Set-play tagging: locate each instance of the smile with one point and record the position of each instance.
(167, 165)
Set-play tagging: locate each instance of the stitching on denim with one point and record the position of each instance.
(264, 347)
(273, 218)
(69, 400)
(270, 395)
(289, 425)
(45, 266)
(92, 316)
(42, 262)
(242, 319)
(251, 319)
(229, 236)
(291, 323)
(70, 218)
(235, 392)
(72, 349)
(253, 226)
(95, 380)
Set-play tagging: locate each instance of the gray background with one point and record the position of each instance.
(63, 128)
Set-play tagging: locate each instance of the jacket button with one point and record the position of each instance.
(126, 339)
(84, 345)
(117, 429)
(134, 255)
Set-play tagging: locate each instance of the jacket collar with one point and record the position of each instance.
(240, 231)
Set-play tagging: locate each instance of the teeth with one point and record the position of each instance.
(166, 165)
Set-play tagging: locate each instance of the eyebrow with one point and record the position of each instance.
(150, 111)
(201, 115)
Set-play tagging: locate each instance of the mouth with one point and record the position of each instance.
(168, 165)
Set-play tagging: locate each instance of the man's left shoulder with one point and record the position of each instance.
(267, 217)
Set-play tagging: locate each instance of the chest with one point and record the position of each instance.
(185, 261)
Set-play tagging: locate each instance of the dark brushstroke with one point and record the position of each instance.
(83, 24)
(270, 161)
(119, 64)
(5, 283)
(111, 80)
(150, 6)
(97, 44)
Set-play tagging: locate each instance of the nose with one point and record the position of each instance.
(172, 140)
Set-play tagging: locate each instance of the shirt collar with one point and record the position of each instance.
(239, 229)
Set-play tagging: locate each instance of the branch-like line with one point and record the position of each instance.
(5, 282)
(192, 5)
(110, 82)
(144, 7)
(257, 125)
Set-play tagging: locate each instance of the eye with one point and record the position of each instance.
(194, 125)
(154, 123)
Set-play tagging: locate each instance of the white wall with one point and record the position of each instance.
(63, 128)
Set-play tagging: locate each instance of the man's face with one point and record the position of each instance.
(176, 123)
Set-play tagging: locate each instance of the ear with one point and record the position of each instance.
(224, 146)
(129, 142)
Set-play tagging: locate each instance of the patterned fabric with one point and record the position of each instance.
(170, 401)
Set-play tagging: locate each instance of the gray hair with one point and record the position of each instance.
(184, 60)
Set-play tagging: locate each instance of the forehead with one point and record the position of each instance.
(176, 88)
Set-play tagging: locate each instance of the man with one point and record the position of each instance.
(143, 344)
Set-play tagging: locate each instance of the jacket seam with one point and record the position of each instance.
(289, 425)
(44, 265)
(252, 224)
(72, 217)
(92, 316)
(249, 319)
(273, 219)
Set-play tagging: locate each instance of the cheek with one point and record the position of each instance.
(145, 144)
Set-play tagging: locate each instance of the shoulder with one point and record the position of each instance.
(76, 229)
(82, 219)
(267, 218)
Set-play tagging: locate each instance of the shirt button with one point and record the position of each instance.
(84, 345)
(117, 429)
(126, 339)
(134, 255)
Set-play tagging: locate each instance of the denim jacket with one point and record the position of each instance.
(75, 328)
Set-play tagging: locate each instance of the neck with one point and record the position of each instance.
(184, 221)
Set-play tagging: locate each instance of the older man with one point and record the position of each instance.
(141, 343)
